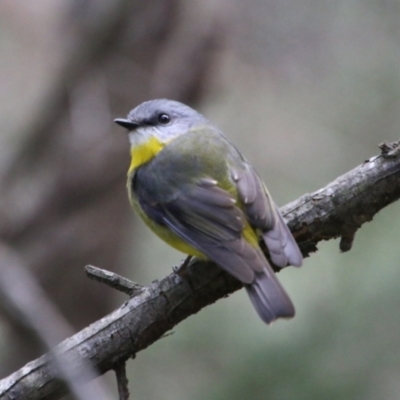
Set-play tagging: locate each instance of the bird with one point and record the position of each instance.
(198, 193)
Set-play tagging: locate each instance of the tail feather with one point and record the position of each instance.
(269, 298)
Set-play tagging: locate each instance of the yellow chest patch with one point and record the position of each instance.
(144, 152)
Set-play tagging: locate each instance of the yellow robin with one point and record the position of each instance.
(197, 192)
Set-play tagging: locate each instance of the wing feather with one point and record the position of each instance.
(265, 216)
(215, 230)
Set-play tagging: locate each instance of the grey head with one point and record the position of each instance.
(162, 118)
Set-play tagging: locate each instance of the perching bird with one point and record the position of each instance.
(195, 190)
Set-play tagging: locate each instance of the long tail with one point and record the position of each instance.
(269, 298)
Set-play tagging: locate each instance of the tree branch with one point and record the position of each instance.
(337, 210)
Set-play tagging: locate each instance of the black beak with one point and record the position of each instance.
(126, 123)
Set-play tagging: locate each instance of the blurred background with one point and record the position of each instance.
(306, 89)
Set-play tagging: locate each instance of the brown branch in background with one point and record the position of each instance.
(337, 210)
(27, 302)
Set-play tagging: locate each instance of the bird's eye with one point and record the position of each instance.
(164, 118)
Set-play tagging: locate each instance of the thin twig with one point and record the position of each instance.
(122, 381)
(113, 280)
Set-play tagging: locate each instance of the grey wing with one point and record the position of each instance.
(265, 216)
(208, 218)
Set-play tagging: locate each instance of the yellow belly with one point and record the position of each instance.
(174, 241)
(165, 233)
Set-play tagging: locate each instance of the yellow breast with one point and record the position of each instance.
(144, 152)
